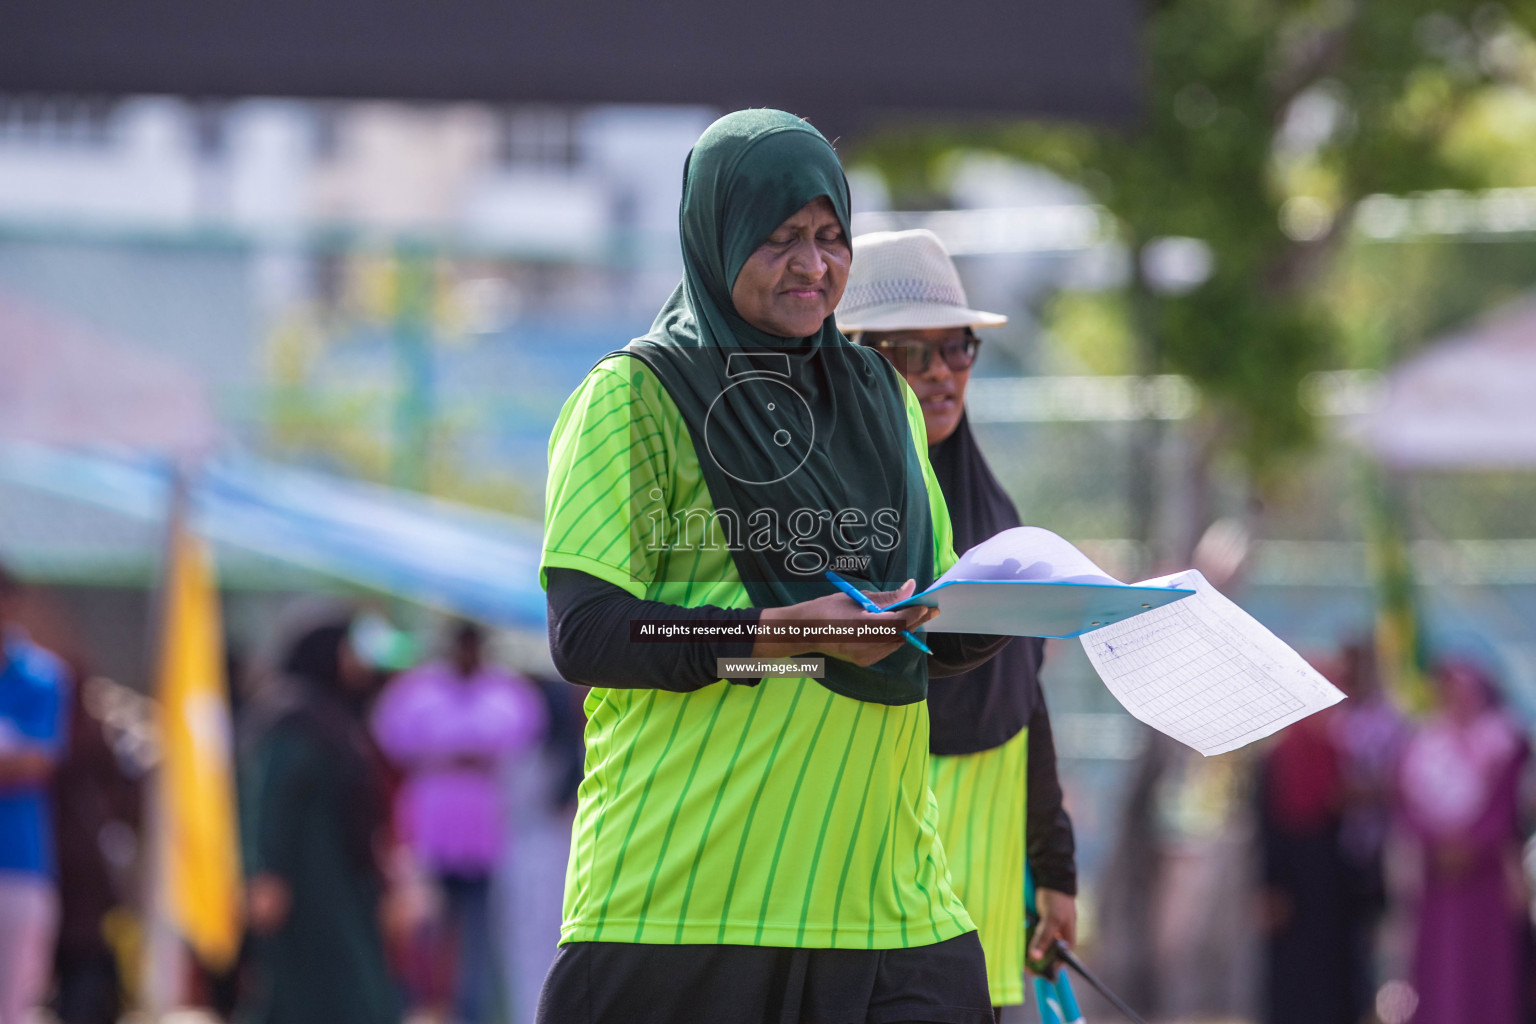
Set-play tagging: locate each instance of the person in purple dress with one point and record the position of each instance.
(447, 726)
(1459, 792)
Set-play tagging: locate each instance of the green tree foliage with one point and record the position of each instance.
(1265, 124)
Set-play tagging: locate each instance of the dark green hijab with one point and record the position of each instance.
(803, 442)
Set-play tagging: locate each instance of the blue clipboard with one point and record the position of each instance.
(1049, 608)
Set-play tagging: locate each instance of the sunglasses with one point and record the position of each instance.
(911, 356)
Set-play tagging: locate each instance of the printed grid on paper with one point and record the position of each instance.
(1167, 668)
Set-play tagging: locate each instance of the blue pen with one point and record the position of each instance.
(870, 606)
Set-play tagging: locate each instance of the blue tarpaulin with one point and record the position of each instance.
(460, 559)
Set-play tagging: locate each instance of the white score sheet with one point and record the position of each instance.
(1204, 671)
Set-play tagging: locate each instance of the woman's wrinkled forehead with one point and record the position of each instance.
(749, 172)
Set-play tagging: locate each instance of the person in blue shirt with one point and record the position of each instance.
(33, 687)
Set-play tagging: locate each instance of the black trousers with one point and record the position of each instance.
(630, 983)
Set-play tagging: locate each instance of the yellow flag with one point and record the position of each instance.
(201, 851)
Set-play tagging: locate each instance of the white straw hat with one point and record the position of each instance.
(905, 281)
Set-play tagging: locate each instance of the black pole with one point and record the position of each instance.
(1065, 954)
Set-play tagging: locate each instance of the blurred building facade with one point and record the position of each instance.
(547, 181)
(347, 263)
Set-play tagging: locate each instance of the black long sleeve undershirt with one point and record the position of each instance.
(589, 637)
(590, 642)
(1052, 849)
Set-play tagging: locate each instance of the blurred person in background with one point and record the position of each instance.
(1369, 732)
(34, 696)
(563, 740)
(994, 763)
(315, 814)
(96, 798)
(1306, 898)
(448, 726)
(1459, 784)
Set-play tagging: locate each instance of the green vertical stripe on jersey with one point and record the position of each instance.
(677, 810)
(788, 818)
(858, 822)
(982, 828)
(826, 825)
(766, 815)
(601, 799)
(714, 809)
(634, 821)
(875, 874)
(741, 848)
(908, 798)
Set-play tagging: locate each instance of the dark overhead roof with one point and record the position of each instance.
(843, 60)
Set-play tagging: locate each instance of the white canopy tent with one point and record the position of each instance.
(1467, 401)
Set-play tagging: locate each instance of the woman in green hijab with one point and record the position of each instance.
(752, 849)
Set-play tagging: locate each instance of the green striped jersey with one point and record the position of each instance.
(776, 815)
(982, 797)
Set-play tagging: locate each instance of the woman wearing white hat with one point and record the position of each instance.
(990, 731)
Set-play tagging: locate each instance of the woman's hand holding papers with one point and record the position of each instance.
(841, 608)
